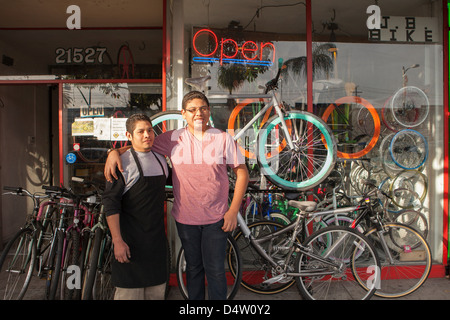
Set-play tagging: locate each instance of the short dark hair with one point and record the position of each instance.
(131, 121)
(193, 95)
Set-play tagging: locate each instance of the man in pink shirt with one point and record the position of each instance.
(200, 156)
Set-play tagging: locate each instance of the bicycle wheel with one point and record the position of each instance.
(45, 238)
(308, 163)
(414, 219)
(241, 115)
(387, 117)
(16, 265)
(409, 189)
(232, 269)
(354, 256)
(257, 274)
(70, 282)
(410, 106)
(92, 263)
(405, 260)
(351, 118)
(103, 288)
(409, 149)
(167, 120)
(55, 264)
(279, 218)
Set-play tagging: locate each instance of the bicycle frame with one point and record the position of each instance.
(273, 102)
(295, 227)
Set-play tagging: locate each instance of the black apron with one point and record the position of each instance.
(142, 229)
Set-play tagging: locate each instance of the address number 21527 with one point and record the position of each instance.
(79, 55)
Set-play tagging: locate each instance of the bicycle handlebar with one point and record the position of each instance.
(18, 190)
(273, 84)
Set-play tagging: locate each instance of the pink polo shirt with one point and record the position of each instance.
(200, 178)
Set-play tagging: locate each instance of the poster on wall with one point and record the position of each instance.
(118, 129)
(102, 129)
(106, 129)
(83, 127)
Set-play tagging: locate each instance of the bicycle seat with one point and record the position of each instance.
(198, 83)
(307, 206)
(292, 195)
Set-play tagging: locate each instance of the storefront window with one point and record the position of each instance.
(94, 118)
(379, 66)
(240, 55)
(382, 97)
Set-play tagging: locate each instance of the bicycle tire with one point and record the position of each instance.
(92, 263)
(387, 117)
(413, 184)
(414, 219)
(103, 288)
(403, 277)
(309, 163)
(83, 259)
(358, 260)
(279, 218)
(54, 271)
(234, 272)
(342, 134)
(71, 258)
(19, 254)
(167, 120)
(45, 237)
(410, 106)
(409, 149)
(246, 143)
(255, 270)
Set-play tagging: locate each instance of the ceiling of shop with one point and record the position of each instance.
(288, 16)
(274, 17)
(94, 13)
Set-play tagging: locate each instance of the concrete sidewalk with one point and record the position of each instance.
(432, 289)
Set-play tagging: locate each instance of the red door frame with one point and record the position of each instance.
(445, 221)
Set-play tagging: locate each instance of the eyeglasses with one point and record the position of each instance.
(202, 109)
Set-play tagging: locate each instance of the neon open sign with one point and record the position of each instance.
(229, 51)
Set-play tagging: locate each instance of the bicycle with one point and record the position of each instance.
(323, 265)
(295, 149)
(404, 253)
(99, 254)
(409, 105)
(407, 108)
(70, 245)
(31, 247)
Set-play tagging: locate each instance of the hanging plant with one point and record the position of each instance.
(232, 76)
(322, 61)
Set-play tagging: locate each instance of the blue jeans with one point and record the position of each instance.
(204, 251)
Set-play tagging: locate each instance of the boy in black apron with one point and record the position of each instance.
(134, 206)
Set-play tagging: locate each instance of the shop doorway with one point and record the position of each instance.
(28, 117)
